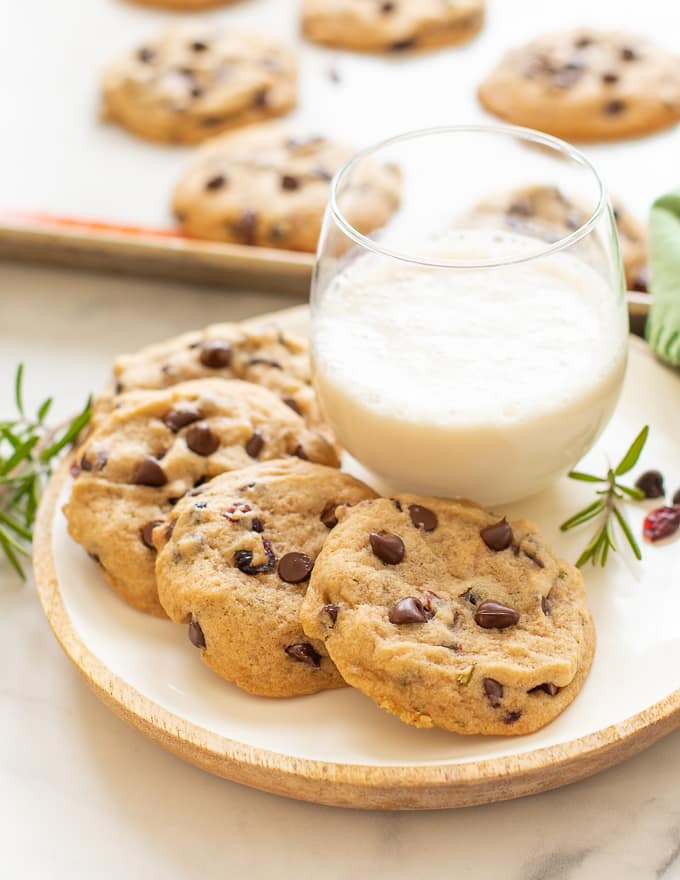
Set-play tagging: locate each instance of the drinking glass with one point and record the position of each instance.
(474, 345)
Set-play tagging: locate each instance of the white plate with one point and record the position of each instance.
(338, 747)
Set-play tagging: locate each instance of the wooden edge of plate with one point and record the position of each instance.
(435, 786)
(157, 255)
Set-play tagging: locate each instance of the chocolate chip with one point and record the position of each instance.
(201, 440)
(170, 528)
(676, 497)
(403, 45)
(149, 473)
(305, 653)
(300, 452)
(85, 463)
(246, 226)
(628, 54)
(498, 536)
(332, 612)
(289, 182)
(200, 505)
(610, 78)
(261, 98)
(494, 691)
(199, 46)
(196, 91)
(211, 121)
(146, 55)
(387, 7)
(651, 483)
(511, 717)
(215, 354)
(328, 517)
(219, 181)
(146, 533)
(397, 504)
(256, 525)
(547, 687)
(615, 107)
(409, 610)
(387, 547)
(495, 615)
(295, 567)
(546, 605)
(196, 636)
(267, 362)
(293, 404)
(118, 388)
(243, 560)
(423, 517)
(177, 419)
(583, 42)
(469, 596)
(254, 444)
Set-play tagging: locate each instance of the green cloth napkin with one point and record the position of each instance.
(663, 323)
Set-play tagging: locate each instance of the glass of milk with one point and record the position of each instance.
(475, 345)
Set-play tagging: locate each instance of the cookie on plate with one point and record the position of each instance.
(448, 616)
(234, 565)
(158, 445)
(262, 354)
(398, 25)
(193, 82)
(545, 212)
(586, 85)
(269, 186)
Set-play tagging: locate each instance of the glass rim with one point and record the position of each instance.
(514, 131)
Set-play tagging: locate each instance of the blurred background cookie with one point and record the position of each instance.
(192, 82)
(586, 85)
(391, 25)
(269, 186)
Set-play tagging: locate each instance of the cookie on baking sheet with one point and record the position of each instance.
(447, 616)
(157, 445)
(193, 82)
(545, 212)
(398, 25)
(586, 85)
(263, 354)
(235, 562)
(269, 186)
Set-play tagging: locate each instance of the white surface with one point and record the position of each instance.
(56, 156)
(84, 796)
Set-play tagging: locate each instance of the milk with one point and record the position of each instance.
(482, 384)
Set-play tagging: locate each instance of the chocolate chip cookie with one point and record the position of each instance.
(234, 565)
(269, 186)
(395, 26)
(264, 355)
(586, 85)
(193, 82)
(545, 212)
(158, 445)
(449, 616)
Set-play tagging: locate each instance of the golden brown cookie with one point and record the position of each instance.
(447, 616)
(394, 26)
(156, 446)
(193, 82)
(586, 85)
(269, 186)
(545, 212)
(235, 562)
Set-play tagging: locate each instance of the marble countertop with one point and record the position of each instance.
(83, 795)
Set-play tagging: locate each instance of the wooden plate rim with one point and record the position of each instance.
(351, 785)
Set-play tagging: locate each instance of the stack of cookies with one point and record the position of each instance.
(208, 490)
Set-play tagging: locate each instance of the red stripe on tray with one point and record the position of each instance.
(39, 218)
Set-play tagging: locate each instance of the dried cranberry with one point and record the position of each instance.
(661, 523)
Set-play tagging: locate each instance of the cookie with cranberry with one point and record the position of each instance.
(193, 82)
(394, 26)
(545, 212)
(235, 567)
(269, 186)
(449, 616)
(586, 85)
(156, 446)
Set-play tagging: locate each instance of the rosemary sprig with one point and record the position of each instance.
(606, 507)
(28, 452)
